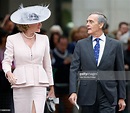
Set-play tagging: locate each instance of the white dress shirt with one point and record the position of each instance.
(102, 42)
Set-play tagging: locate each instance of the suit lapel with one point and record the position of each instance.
(90, 49)
(106, 50)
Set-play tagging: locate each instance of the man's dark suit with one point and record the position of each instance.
(84, 60)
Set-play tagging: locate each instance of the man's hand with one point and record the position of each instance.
(121, 104)
(73, 98)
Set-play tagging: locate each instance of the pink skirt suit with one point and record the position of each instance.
(33, 71)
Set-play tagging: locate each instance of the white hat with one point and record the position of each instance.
(30, 15)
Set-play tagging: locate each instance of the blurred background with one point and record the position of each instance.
(70, 13)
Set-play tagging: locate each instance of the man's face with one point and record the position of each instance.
(124, 28)
(92, 24)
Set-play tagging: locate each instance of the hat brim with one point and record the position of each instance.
(43, 14)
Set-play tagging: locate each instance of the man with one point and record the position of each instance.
(98, 53)
(123, 34)
(122, 29)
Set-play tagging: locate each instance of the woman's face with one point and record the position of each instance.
(35, 27)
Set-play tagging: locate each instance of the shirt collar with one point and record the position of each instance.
(102, 38)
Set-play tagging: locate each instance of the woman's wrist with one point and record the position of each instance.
(51, 87)
(8, 74)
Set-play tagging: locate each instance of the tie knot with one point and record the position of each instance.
(97, 39)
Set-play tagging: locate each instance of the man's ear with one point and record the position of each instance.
(101, 25)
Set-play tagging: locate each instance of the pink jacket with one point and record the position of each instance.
(32, 65)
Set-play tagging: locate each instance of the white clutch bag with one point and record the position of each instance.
(51, 103)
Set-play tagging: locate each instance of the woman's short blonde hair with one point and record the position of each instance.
(23, 27)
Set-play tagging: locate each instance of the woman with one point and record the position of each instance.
(30, 52)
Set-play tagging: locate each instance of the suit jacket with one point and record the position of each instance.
(32, 65)
(84, 60)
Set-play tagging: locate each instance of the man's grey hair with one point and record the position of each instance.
(101, 19)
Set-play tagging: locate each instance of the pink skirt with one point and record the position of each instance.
(24, 97)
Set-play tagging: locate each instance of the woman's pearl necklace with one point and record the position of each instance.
(28, 37)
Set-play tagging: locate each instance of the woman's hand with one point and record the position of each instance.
(51, 92)
(11, 78)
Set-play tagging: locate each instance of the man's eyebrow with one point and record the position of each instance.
(89, 20)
